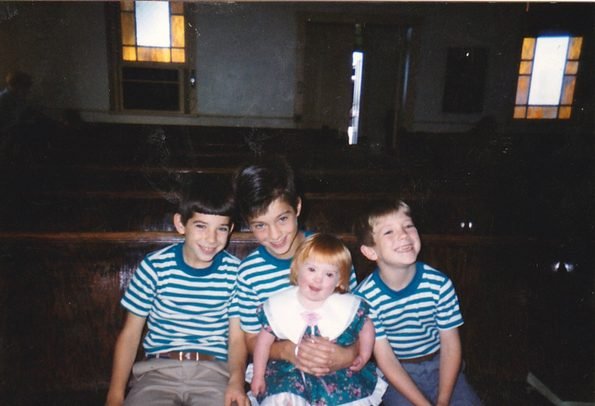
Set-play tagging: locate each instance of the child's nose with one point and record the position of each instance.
(212, 235)
(275, 233)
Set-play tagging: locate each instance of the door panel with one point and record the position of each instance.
(327, 75)
(380, 84)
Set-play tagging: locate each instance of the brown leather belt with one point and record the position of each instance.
(183, 356)
(419, 360)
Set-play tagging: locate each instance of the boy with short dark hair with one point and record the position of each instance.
(195, 350)
(270, 205)
(415, 311)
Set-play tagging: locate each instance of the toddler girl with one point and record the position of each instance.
(316, 306)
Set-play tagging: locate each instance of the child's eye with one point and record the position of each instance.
(283, 219)
(330, 274)
(224, 229)
(201, 226)
(311, 269)
(410, 226)
(388, 232)
(258, 226)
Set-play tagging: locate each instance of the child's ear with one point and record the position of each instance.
(368, 252)
(230, 228)
(180, 227)
(298, 207)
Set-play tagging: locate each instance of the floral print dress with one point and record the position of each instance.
(287, 385)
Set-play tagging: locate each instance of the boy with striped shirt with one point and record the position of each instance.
(194, 349)
(415, 311)
(268, 202)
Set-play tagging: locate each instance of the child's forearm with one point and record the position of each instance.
(366, 339)
(279, 350)
(124, 357)
(365, 346)
(450, 363)
(122, 366)
(260, 357)
(262, 349)
(396, 374)
(237, 353)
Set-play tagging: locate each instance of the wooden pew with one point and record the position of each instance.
(117, 143)
(61, 315)
(104, 210)
(91, 218)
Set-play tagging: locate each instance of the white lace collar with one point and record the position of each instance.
(289, 319)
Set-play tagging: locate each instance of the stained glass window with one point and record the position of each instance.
(547, 77)
(152, 31)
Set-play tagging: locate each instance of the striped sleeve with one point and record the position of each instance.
(247, 301)
(448, 312)
(139, 296)
(371, 294)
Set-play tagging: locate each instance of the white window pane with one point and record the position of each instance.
(548, 70)
(357, 65)
(152, 23)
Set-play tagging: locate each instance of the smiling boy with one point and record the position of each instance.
(269, 204)
(194, 349)
(415, 311)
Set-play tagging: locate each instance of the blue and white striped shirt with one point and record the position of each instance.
(187, 309)
(411, 319)
(260, 276)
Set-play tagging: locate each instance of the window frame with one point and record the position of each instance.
(561, 111)
(132, 52)
(119, 64)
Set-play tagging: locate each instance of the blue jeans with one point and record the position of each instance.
(426, 376)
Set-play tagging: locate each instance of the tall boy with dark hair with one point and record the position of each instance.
(268, 202)
(195, 352)
(415, 311)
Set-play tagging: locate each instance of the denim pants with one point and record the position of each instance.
(426, 376)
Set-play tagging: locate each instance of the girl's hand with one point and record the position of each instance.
(358, 364)
(258, 386)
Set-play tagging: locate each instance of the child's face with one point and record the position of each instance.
(316, 281)
(277, 229)
(205, 236)
(396, 241)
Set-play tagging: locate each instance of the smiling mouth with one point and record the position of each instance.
(208, 250)
(405, 248)
(278, 244)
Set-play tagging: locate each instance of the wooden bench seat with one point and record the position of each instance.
(74, 228)
(60, 294)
